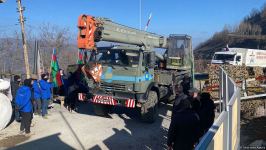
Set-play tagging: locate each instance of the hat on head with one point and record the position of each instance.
(27, 82)
(17, 78)
(44, 76)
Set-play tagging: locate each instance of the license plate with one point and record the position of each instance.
(107, 100)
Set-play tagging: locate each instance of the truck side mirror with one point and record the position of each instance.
(151, 60)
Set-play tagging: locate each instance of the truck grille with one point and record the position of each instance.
(112, 86)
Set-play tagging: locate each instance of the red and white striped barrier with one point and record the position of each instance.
(81, 96)
(130, 103)
(109, 100)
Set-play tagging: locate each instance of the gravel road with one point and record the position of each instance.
(84, 130)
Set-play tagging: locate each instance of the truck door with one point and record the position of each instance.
(148, 65)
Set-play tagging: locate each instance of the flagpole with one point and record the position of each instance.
(50, 70)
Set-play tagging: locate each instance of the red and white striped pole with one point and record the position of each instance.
(146, 27)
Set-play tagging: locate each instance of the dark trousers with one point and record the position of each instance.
(44, 106)
(26, 118)
(17, 113)
(37, 106)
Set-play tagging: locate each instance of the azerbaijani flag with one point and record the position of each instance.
(55, 69)
(80, 56)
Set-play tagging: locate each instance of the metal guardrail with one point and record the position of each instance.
(225, 132)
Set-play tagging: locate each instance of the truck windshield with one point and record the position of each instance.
(118, 57)
(224, 57)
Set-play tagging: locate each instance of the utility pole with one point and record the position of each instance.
(24, 41)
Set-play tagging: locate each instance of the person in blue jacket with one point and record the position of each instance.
(46, 88)
(24, 103)
(37, 93)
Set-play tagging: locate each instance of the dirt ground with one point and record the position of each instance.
(84, 130)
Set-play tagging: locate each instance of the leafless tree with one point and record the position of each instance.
(53, 36)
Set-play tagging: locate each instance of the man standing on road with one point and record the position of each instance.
(37, 93)
(14, 87)
(24, 103)
(206, 112)
(186, 84)
(46, 88)
(180, 96)
(184, 127)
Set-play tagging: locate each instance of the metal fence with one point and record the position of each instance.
(225, 132)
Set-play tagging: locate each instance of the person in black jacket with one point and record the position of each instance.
(186, 84)
(15, 84)
(206, 112)
(184, 127)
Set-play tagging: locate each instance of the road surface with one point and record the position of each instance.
(84, 130)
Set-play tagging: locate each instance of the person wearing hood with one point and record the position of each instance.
(184, 127)
(15, 84)
(24, 103)
(46, 88)
(206, 112)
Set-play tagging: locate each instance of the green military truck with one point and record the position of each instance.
(132, 74)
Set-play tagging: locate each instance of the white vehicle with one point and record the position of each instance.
(241, 56)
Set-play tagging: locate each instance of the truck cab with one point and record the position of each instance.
(127, 71)
(227, 57)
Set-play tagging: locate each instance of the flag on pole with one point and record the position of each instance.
(80, 56)
(55, 69)
(146, 27)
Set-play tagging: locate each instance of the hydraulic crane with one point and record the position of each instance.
(131, 74)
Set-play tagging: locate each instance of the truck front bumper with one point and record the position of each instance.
(115, 101)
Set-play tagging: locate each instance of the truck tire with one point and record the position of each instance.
(101, 110)
(149, 112)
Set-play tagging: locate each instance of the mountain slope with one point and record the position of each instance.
(246, 35)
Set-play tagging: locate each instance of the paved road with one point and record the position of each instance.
(65, 130)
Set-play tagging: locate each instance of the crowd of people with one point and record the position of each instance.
(192, 115)
(31, 96)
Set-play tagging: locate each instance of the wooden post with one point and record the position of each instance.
(24, 41)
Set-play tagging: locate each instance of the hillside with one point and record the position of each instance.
(250, 33)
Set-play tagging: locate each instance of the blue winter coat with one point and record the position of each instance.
(23, 99)
(46, 89)
(37, 93)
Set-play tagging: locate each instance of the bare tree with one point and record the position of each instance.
(53, 36)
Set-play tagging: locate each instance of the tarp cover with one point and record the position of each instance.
(4, 84)
(5, 104)
(5, 88)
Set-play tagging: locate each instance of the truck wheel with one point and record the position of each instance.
(101, 110)
(149, 112)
